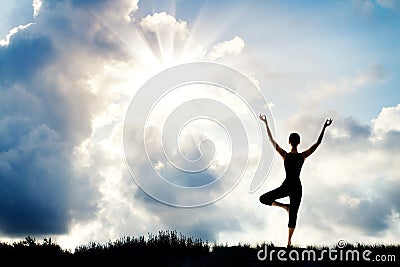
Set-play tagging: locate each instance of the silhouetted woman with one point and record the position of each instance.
(291, 186)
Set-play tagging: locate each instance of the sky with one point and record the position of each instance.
(73, 73)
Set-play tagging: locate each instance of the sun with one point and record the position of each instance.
(166, 41)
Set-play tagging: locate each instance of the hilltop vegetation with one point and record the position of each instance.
(169, 248)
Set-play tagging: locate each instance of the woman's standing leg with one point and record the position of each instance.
(295, 199)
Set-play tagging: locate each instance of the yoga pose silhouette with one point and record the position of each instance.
(291, 186)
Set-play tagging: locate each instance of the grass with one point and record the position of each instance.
(170, 248)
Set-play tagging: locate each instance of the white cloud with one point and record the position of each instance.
(36, 4)
(15, 30)
(119, 13)
(361, 79)
(231, 47)
(132, 8)
(388, 120)
(163, 22)
(226, 48)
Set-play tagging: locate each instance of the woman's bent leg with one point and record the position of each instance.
(270, 197)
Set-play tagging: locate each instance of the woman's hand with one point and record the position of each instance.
(263, 118)
(327, 122)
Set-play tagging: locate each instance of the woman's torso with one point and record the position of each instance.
(293, 163)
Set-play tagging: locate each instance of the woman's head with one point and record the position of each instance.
(294, 139)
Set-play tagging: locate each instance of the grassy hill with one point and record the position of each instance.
(169, 248)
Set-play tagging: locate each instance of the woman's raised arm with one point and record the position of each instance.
(275, 145)
(311, 150)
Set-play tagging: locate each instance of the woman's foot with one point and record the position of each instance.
(289, 242)
(284, 206)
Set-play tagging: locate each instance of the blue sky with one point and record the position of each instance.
(69, 69)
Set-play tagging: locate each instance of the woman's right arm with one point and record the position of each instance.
(271, 139)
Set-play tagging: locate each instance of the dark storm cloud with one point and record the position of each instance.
(34, 184)
(372, 213)
(371, 216)
(44, 114)
(21, 60)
